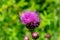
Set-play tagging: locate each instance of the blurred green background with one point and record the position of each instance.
(11, 27)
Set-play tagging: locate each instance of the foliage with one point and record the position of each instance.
(11, 27)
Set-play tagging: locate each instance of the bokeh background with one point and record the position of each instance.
(11, 27)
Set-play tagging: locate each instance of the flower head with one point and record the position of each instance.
(30, 18)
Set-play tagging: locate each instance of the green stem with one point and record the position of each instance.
(34, 39)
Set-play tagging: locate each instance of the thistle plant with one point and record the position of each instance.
(31, 20)
(11, 27)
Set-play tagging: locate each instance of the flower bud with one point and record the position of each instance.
(35, 35)
(48, 36)
(26, 38)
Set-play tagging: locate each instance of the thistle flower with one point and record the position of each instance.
(35, 35)
(30, 19)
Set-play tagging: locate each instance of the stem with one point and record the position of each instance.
(31, 30)
(34, 39)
